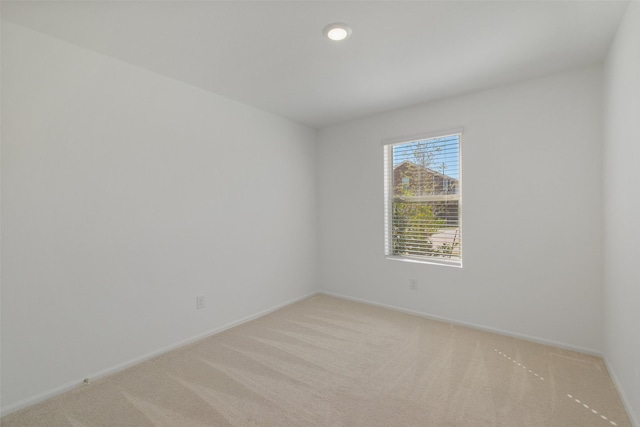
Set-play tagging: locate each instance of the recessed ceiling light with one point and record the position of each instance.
(337, 31)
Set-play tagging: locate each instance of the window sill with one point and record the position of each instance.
(442, 262)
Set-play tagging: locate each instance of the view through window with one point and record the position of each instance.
(422, 199)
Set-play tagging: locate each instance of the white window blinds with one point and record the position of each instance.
(422, 199)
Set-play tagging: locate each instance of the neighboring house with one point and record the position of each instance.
(415, 183)
(411, 179)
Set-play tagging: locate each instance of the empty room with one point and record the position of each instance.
(320, 213)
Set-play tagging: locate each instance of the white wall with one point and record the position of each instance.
(532, 216)
(127, 194)
(622, 210)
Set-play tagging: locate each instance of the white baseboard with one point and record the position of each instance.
(625, 401)
(471, 325)
(114, 369)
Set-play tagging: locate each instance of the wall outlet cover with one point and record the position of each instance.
(200, 302)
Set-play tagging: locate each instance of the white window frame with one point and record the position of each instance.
(388, 196)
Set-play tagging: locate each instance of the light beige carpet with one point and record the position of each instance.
(331, 362)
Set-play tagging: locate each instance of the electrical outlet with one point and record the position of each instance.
(200, 302)
(413, 284)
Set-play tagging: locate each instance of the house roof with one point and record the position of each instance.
(428, 170)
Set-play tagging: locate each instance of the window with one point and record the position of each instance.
(423, 198)
(405, 182)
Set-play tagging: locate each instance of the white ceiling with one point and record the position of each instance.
(272, 54)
